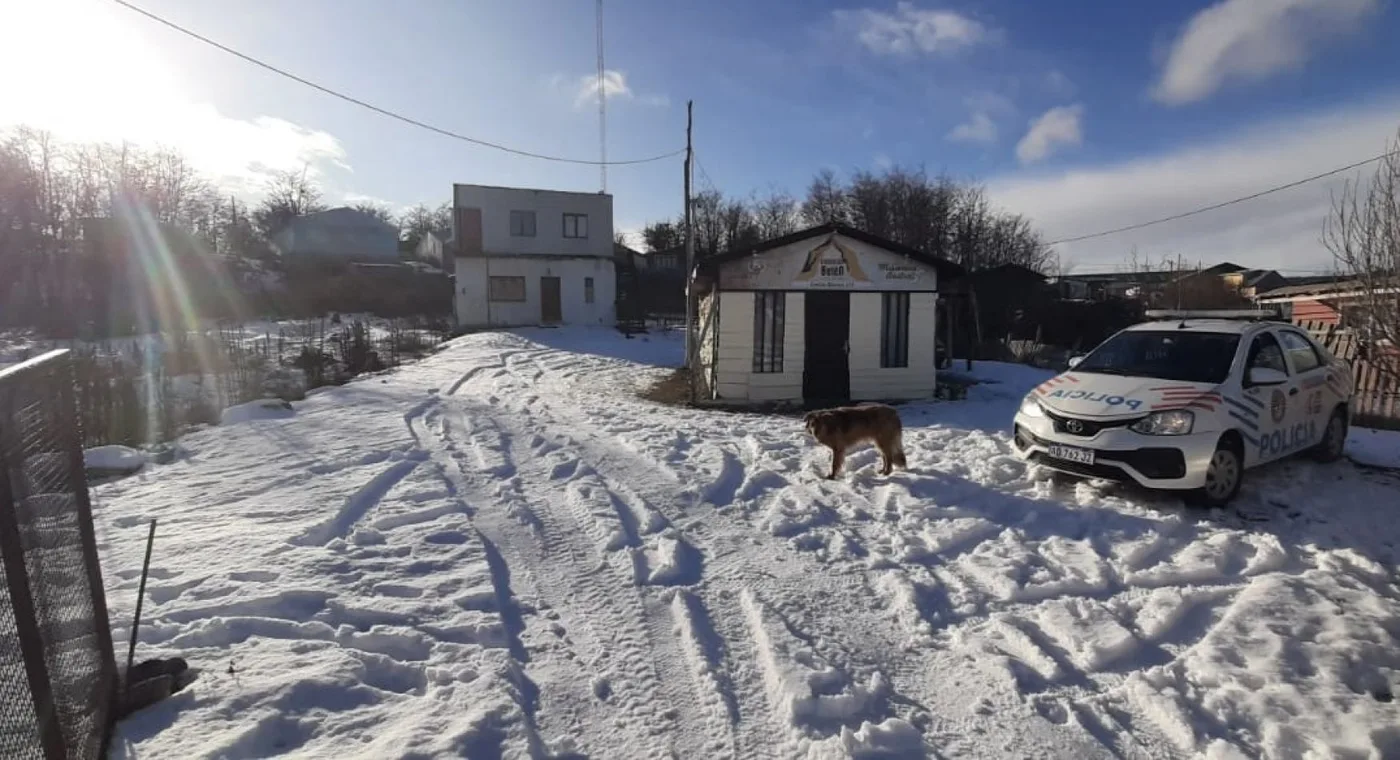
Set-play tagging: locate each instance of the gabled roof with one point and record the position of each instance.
(945, 268)
(342, 211)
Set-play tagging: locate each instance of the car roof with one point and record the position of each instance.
(1206, 325)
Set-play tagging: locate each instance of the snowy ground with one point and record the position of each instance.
(501, 552)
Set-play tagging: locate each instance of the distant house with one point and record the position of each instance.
(1336, 302)
(436, 248)
(339, 234)
(1233, 279)
(533, 257)
(1142, 286)
(669, 260)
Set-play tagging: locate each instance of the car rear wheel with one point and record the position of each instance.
(1334, 439)
(1224, 476)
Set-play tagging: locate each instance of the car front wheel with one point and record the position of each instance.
(1224, 476)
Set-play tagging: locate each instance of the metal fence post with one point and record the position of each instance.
(72, 424)
(31, 640)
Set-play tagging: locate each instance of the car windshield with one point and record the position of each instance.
(1192, 357)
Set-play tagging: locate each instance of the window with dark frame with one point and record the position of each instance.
(768, 317)
(894, 330)
(576, 225)
(522, 224)
(588, 290)
(1301, 351)
(1264, 353)
(505, 289)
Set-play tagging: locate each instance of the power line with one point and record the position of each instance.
(705, 175)
(384, 111)
(1215, 206)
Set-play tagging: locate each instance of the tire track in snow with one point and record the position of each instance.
(359, 504)
(596, 602)
(651, 487)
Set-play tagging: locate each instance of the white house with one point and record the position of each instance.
(343, 234)
(436, 248)
(824, 315)
(532, 257)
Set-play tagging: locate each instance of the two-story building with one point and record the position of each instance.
(532, 257)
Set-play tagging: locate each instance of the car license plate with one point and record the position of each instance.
(1072, 454)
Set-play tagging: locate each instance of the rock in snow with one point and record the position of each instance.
(263, 409)
(532, 562)
(113, 459)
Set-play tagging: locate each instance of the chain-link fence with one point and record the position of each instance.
(57, 672)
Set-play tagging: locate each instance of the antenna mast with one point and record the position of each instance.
(602, 106)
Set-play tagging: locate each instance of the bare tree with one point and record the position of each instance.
(776, 214)
(377, 210)
(290, 194)
(416, 222)
(826, 200)
(662, 236)
(1363, 233)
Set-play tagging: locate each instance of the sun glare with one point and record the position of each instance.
(78, 69)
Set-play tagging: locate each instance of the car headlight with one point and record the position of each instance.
(1031, 408)
(1175, 422)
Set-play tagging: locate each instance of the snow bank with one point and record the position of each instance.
(1374, 448)
(501, 552)
(263, 409)
(113, 459)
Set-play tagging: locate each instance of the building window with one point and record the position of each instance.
(768, 308)
(522, 224)
(506, 289)
(588, 290)
(576, 225)
(894, 330)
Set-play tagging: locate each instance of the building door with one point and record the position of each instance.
(551, 309)
(826, 371)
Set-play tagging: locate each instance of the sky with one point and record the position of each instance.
(1083, 115)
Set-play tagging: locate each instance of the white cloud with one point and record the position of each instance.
(614, 84)
(615, 87)
(1247, 40)
(63, 95)
(1056, 128)
(979, 129)
(910, 29)
(1278, 231)
(883, 161)
(1058, 84)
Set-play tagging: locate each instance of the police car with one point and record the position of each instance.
(1188, 402)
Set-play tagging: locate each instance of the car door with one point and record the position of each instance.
(1316, 399)
(1264, 414)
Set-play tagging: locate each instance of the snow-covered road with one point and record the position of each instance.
(503, 552)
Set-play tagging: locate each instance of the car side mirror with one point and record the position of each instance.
(1267, 376)
(1074, 361)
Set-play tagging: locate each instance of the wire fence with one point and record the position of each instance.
(57, 672)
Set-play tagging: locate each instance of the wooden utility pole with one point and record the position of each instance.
(689, 248)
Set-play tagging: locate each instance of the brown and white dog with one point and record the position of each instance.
(846, 427)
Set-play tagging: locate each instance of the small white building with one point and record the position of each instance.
(532, 257)
(824, 315)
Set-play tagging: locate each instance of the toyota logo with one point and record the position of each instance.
(1074, 426)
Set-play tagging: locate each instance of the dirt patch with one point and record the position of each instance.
(672, 389)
